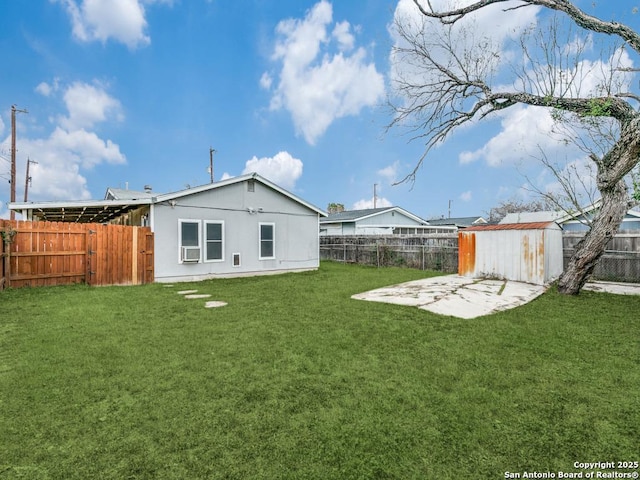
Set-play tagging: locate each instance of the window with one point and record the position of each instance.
(214, 241)
(189, 238)
(267, 241)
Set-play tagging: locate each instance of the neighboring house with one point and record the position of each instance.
(244, 225)
(528, 217)
(376, 221)
(572, 223)
(457, 222)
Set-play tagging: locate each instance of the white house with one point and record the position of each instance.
(377, 221)
(244, 225)
(578, 222)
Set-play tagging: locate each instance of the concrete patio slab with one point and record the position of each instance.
(456, 296)
(464, 297)
(614, 287)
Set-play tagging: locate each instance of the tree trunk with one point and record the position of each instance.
(589, 250)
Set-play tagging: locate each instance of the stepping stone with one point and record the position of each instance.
(187, 292)
(168, 286)
(214, 304)
(200, 295)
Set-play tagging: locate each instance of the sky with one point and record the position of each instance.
(130, 93)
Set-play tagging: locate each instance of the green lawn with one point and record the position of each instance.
(294, 380)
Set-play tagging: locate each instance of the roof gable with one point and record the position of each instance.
(458, 221)
(235, 180)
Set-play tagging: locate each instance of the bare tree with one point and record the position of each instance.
(518, 205)
(449, 76)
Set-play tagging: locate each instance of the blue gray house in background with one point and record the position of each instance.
(573, 223)
(378, 221)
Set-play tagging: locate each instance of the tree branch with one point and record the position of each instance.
(581, 18)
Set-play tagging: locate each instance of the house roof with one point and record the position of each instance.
(557, 216)
(457, 221)
(355, 215)
(527, 217)
(121, 202)
(126, 194)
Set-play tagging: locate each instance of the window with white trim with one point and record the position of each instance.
(189, 241)
(267, 241)
(214, 241)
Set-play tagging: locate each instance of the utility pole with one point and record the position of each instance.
(211, 152)
(27, 180)
(13, 156)
(375, 195)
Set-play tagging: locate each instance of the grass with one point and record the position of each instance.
(295, 380)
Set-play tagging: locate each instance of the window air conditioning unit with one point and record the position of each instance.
(190, 254)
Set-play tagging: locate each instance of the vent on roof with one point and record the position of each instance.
(147, 188)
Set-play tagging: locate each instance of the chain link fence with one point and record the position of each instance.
(620, 261)
(437, 252)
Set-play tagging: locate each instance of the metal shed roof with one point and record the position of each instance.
(514, 226)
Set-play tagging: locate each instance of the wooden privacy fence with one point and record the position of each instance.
(57, 253)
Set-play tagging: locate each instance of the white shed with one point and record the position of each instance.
(523, 252)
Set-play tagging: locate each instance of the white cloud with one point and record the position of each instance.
(315, 85)
(265, 81)
(87, 148)
(342, 33)
(87, 105)
(282, 169)
(466, 196)
(101, 20)
(44, 89)
(72, 146)
(524, 130)
(389, 173)
(369, 203)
